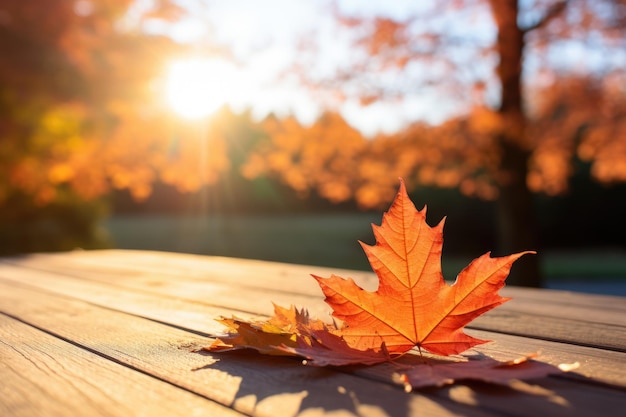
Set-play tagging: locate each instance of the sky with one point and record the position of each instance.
(262, 39)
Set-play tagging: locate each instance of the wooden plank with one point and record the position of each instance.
(596, 365)
(190, 265)
(579, 332)
(274, 386)
(215, 290)
(195, 316)
(606, 366)
(564, 298)
(277, 275)
(251, 384)
(44, 375)
(296, 279)
(235, 297)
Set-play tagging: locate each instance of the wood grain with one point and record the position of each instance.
(42, 374)
(280, 277)
(211, 284)
(193, 315)
(121, 315)
(251, 384)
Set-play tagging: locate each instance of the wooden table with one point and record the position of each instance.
(113, 333)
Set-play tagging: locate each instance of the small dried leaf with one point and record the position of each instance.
(261, 336)
(323, 348)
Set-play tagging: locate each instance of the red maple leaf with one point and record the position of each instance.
(413, 305)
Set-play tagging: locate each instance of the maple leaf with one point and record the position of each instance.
(250, 335)
(325, 348)
(269, 337)
(413, 305)
(291, 332)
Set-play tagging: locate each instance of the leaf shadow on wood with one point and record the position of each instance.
(282, 386)
(440, 371)
(547, 396)
(555, 395)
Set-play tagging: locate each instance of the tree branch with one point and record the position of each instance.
(553, 12)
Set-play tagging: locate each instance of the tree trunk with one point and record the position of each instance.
(517, 230)
(517, 225)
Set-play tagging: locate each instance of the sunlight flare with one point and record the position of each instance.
(197, 87)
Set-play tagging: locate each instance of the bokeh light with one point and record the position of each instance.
(197, 87)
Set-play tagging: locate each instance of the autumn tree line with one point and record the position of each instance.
(80, 117)
(577, 122)
(236, 163)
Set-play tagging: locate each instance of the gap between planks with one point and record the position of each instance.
(251, 384)
(216, 291)
(291, 278)
(600, 364)
(258, 385)
(44, 375)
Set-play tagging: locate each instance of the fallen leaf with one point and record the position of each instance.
(324, 348)
(246, 335)
(291, 332)
(413, 305)
(265, 336)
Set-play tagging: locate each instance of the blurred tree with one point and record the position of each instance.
(578, 118)
(499, 146)
(322, 157)
(81, 113)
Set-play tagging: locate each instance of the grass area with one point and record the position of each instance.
(608, 264)
(319, 239)
(324, 239)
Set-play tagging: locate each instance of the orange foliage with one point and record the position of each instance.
(458, 153)
(388, 40)
(197, 161)
(79, 106)
(322, 157)
(577, 117)
(574, 117)
(483, 151)
(78, 112)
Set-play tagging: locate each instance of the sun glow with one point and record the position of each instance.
(195, 88)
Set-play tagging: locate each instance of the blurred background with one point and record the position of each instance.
(279, 130)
